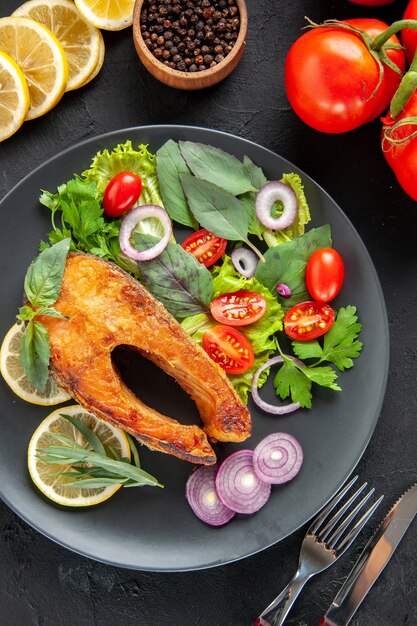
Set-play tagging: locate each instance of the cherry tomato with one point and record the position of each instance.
(330, 76)
(206, 247)
(229, 348)
(308, 320)
(402, 157)
(324, 274)
(408, 36)
(238, 308)
(121, 193)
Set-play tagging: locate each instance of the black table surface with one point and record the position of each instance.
(44, 584)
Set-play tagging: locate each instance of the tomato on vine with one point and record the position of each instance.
(339, 77)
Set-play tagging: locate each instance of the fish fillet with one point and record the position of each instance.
(107, 308)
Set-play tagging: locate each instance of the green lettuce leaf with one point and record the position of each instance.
(260, 334)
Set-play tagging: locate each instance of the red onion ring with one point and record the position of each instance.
(265, 198)
(277, 458)
(265, 406)
(244, 262)
(202, 497)
(129, 223)
(237, 485)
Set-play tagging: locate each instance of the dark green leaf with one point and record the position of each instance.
(286, 263)
(87, 433)
(255, 173)
(323, 376)
(44, 277)
(95, 483)
(133, 450)
(35, 353)
(290, 382)
(218, 167)
(169, 165)
(176, 279)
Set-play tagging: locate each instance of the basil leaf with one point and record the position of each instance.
(169, 165)
(287, 262)
(218, 167)
(34, 354)
(255, 173)
(49, 310)
(175, 277)
(44, 277)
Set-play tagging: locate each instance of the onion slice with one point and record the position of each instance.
(201, 495)
(245, 262)
(129, 223)
(265, 406)
(237, 485)
(277, 458)
(265, 198)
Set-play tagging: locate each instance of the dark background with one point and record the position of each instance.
(43, 584)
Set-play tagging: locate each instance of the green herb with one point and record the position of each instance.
(169, 165)
(218, 167)
(42, 287)
(287, 264)
(260, 334)
(217, 210)
(340, 346)
(102, 470)
(175, 277)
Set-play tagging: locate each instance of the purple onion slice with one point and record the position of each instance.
(237, 485)
(265, 406)
(201, 495)
(277, 458)
(265, 199)
(129, 223)
(244, 262)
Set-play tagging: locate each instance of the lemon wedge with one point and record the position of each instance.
(14, 375)
(79, 39)
(14, 96)
(46, 476)
(109, 15)
(41, 58)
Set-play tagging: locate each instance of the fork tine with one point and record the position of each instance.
(317, 522)
(351, 536)
(334, 520)
(335, 536)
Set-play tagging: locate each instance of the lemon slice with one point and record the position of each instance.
(14, 375)
(41, 58)
(47, 477)
(100, 61)
(79, 39)
(14, 96)
(107, 14)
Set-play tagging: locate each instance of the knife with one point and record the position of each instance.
(372, 561)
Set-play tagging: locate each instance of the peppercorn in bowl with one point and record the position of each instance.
(190, 44)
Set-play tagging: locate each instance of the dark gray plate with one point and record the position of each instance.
(154, 529)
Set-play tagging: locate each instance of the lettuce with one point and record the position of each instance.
(260, 334)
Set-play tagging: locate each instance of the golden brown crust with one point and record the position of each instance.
(106, 308)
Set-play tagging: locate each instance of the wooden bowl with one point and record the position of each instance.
(190, 80)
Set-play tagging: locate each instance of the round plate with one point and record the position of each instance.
(154, 529)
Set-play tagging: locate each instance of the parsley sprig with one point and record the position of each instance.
(340, 346)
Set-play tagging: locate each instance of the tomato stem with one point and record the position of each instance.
(395, 28)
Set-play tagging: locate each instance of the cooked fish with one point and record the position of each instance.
(107, 308)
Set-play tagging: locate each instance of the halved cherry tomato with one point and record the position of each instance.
(206, 247)
(324, 274)
(229, 348)
(121, 193)
(238, 308)
(308, 320)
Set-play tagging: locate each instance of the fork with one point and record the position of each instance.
(325, 542)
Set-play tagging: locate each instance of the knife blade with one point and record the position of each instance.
(372, 561)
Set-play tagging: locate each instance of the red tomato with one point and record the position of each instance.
(229, 348)
(121, 193)
(408, 36)
(308, 320)
(238, 308)
(324, 274)
(206, 247)
(330, 76)
(402, 157)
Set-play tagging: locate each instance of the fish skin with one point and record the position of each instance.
(106, 308)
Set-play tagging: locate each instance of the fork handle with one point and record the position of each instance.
(277, 611)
